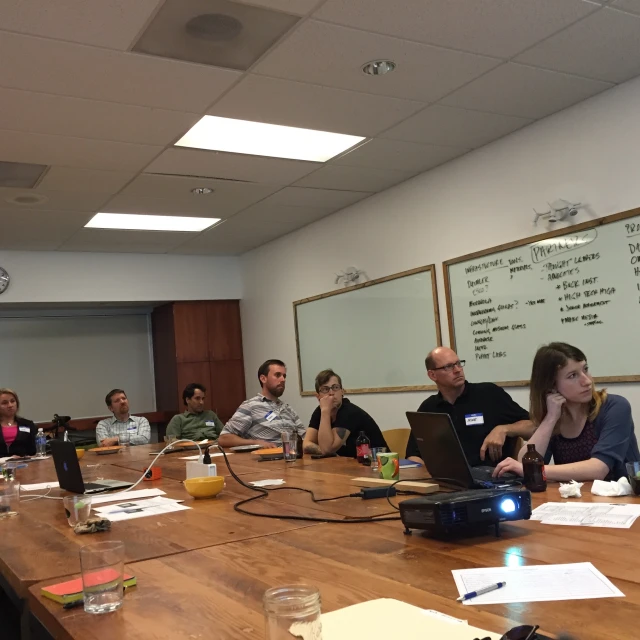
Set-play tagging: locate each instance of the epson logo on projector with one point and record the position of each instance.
(487, 510)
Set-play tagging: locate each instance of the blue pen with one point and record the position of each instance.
(479, 592)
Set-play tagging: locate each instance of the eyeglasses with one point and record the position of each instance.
(334, 388)
(524, 632)
(450, 367)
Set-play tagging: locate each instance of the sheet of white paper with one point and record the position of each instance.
(39, 486)
(577, 581)
(267, 483)
(409, 623)
(132, 509)
(126, 495)
(32, 459)
(212, 455)
(587, 514)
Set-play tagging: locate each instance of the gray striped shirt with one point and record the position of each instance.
(138, 429)
(259, 418)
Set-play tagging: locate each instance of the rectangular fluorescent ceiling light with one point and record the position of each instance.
(260, 139)
(139, 222)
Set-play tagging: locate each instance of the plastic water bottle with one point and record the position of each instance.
(41, 443)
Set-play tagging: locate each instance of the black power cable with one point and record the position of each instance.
(263, 493)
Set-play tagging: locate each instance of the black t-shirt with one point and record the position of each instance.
(354, 419)
(481, 407)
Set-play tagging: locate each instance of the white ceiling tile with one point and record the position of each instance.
(296, 7)
(81, 118)
(102, 23)
(100, 74)
(297, 104)
(331, 199)
(171, 195)
(604, 46)
(19, 146)
(225, 192)
(38, 230)
(54, 200)
(231, 166)
(442, 125)
(423, 73)
(518, 90)
(498, 28)
(281, 217)
(232, 237)
(632, 6)
(397, 154)
(118, 241)
(91, 180)
(354, 178)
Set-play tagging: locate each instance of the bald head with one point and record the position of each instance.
(440, 356)
(445, 369)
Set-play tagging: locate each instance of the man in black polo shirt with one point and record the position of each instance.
(484, 415)
(336, 424)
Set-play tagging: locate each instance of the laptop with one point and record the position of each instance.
(69, 475)
(444, 456)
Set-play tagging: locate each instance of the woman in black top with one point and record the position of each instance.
(17, 435)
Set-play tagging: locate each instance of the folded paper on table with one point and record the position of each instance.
(267, 483)
(126, 495)
(587, 514)
(39, 486)
(130, 510)
(362, 621)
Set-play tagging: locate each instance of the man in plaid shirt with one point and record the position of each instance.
(122, 423)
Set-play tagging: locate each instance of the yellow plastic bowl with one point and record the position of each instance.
(80, 453)
(204, 487)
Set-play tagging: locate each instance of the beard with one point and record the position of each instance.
(276, 391)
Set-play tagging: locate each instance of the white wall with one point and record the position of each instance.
(589, 153)
(44, 276)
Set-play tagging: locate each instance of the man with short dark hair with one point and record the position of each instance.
(336, 424)
(196, 423)
(122, 423)
(262, 419)
(487, 420)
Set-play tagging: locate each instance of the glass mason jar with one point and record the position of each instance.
(292, 610)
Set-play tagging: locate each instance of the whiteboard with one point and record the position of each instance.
(67, 365)
(580, 285)
(374, 335)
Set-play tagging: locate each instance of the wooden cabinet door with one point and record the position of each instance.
(225, 332)
(190, 322)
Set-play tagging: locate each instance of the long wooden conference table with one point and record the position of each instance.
(202, 572)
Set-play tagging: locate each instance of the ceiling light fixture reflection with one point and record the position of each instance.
(140, 222)
(260, 139)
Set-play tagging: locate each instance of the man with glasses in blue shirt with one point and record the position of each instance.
(486, 418)
(336, 423)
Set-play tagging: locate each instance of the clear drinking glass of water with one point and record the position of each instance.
(124, 439)
(292, 611)
(77, 508)
(289, 445)
(9, 498)
(102, 566)
(374, 456)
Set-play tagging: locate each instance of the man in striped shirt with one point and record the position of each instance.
(109, 429)
(262, 419)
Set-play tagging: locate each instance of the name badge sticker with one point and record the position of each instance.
(210, 423)
(473, 418)
(24, 429)
(132, 427)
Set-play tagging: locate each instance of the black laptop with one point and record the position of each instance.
(444, 456)
(69, 475)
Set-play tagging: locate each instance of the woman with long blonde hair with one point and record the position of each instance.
(589, 433)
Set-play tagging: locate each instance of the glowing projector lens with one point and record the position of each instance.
(508, 505)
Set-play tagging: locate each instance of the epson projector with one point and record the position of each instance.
(465, 512)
